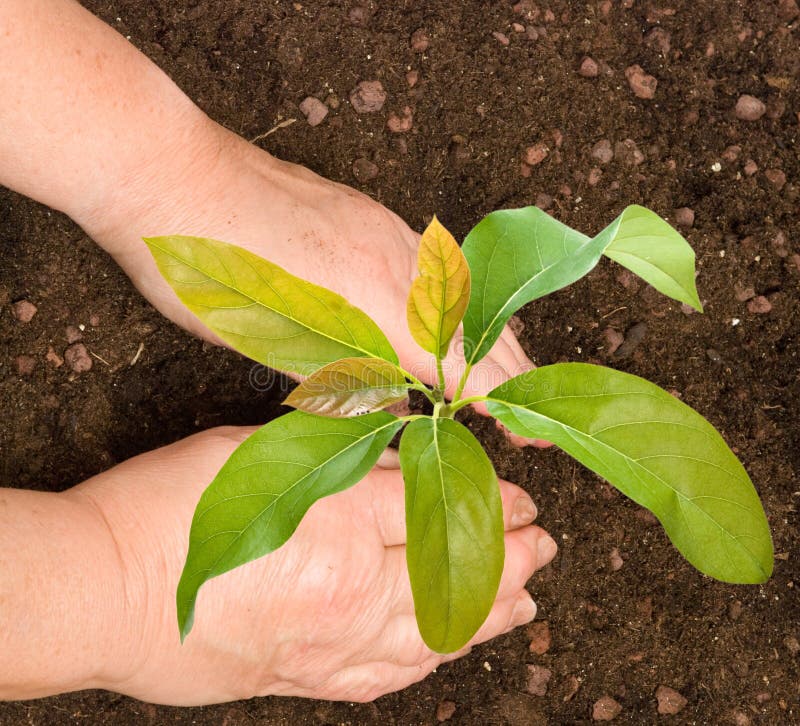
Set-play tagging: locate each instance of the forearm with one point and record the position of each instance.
(86, 120)
(61, 595)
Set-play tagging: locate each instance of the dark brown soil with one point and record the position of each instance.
(477, 107)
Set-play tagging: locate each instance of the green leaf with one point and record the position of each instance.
(454, 524)
(263, 491)
(520, 255)
(261, 310)
(440, 294)
(350, 387)
(655, 450)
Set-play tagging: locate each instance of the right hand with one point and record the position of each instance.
(329, 615)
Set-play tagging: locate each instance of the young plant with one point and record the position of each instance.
(653, 448)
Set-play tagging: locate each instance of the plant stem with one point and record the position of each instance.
(461, 403)
(440, 372)
(462, 383)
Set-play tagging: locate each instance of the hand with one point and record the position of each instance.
(329, 615)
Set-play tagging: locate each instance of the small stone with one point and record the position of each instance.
(749, 108)
(54, 358)
(24, 311)
(659, 38)
(368, 97)
(628, 152)
(776, 177)
(332, 101)
(401, 123)
(633, 338)
(731, 153)
(359, 15)
(750, 167)
(73, 334)
(763, 696)
(420, 40)
(606, 709)
(589, 68)
(788, 10)
(518, 27)
(614, 340)
(543, 201)
(792, 645)
(684, 217)
(713, 355)
(740, 718)
(527, 9)
(364, 169)
(642, 84)
(524, 170)
(501, 38)
(78, 358)
(776, 107)
(538, 678)
(779, 244)
(670, 701)
(602, 151)
(759, 305)
(314, 110)
(94, 320)
(25, 364)
(540, 639)
(536, 154)
(412, 78)
(571, 686)
(532, 33)
(445, 711)
(744, 292)
(615, 560)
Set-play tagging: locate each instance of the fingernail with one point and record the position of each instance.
(524, 610)
(547, 549)
(524, 511)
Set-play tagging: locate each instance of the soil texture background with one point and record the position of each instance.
(505, 111)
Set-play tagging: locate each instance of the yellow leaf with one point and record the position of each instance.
(440, 294)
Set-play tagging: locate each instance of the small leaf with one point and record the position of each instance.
(454, 525)
(268, 484)
(440, 294)
(350, 387)
(261, 310)
(520, 255)
(655, 450)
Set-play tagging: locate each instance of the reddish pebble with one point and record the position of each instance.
(732, 153)
(368, 97)
(420, 40)
(445, 711)
(539, 634)
(314, 110)
(642, 84)
(24, 311)
(602, 151)
(78, 358)
(788, 10)
(73, 333)
(670, 701)
(54, 358)
(749, 108)
(594, 177)
(571, 686)
(501, 38)
(536, 154)
(549, 16)
(538, 678)
(518, 27)
(615, 560)
(744, 292)
(740, 718)
(364, 169)
(659, 38)
(25, 364)
(606, 709)
(776, 177)
(401, 123)
(527, 9)
(589, 68)
(412, 77)
(684, 217)
(763, 696)
(750, 167)
(614, 339)
(543, 201)
(94, 320)
(759, 305)
(524, 170)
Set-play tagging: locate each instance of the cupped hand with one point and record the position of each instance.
(329, 615)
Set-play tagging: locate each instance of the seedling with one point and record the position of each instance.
(644, 441)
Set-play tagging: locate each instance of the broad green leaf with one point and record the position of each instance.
(454, 526)
(261, 310)
(440, 294)
(519, 255)
(655, 450)
(263, 491)
(350, 387)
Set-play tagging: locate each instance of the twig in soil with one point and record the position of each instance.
(608, 315)
(102, 360)
(277, 127)
(135, 358)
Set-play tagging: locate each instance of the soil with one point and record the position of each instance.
(486, 92)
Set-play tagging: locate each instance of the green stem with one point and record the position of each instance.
(412, 417)
(457, 405)
(440, 372)
(462, 383)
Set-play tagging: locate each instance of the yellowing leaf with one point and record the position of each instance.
(440, 294)
(350, 387)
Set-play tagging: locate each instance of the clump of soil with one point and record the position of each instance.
(474, 87)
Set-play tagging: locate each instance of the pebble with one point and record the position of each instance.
(401, 123)
(670, 701)
(540, 638)
(501, 38)
(538, 678)
(364, 169)
(740, 718)
(788, 10)
(633, 338)
(713, 355)
(776, 177)
(445, 711)
(314, 110)
(54, 358)
(606, 709)
(73, 334)
(759, 305)
(359, 15)
(543, 201)
(78, 358)
(602, 151)
(368, 97)
(642, 84)
(615, 559)
(412, 78)
(420, 40)
(527, 9)
(744, 292)
(614, 339)
(750, 167)
(628, 152)
(660, 38)
(24, 310)
(731, 153)
(536, 154)
(749, 108)
(684, 217)
(518, 27)
(25, 364)
(779, 244)
(589, 68)
(571, 686)
(595, 174)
